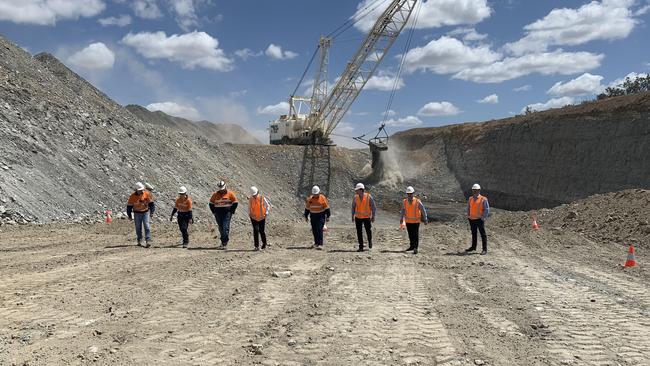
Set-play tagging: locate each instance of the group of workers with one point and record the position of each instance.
(223, 204)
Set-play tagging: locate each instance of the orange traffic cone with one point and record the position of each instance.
(109, 218)
(535, 224)
(631, 261)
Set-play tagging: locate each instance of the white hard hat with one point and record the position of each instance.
(254, 190)
(359, 186)
(221, 184)
(139, 186)
(148, 186)
(410, 189)
(315, 190)
(476, 186)
(182, 190)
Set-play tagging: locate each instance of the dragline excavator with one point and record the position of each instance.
(311, 120)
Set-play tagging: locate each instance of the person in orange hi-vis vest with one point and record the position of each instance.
(412, 213)
(223, 205)
(184, 208)
(258, 210)
(478, 210)
(318, 210)
(363, 214)
(142, 206)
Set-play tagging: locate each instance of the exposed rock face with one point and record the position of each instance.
(547, 158)
(69, 152)
(217, 132)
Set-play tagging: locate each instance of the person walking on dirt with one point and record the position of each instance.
(223, 205)
(185, 218)
(412, 213)
(318, 210)
(478, 210)
(142, 206)
(258, 209)
(363, 214)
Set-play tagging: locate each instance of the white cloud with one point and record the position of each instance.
(276, 109)
(433, 13)
(585, 84)
(384, 81)
(410, 121)
(549, 63)
(389, 113)
(552, 103)
(48, 12)
(631, 76)
(437, 109)
(275, 52)
(147, 9)
(490, 99)
(247, 53)
(121, 21)
(447, 56)
(185, 13)
(176, 110)
(597, 20)
(523, 88)
(190, 50)
(642, 11)
(468, 34)
(94, 57)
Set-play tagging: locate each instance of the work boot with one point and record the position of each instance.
(257, 249)
(360, 250)
(470, 250)
(415, 251)
(484, 252)
(409, 249)
(184, 246)
(139, 243)
(147, 244)
(319, 247)
(263, 246)
(369, 246)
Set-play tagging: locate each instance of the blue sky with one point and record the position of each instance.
(237, 61)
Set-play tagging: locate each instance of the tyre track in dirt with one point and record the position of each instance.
(585, 326)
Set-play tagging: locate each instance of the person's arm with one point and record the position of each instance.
(233, 208)
(467, 214)
(152, 208)
(129, 210)
(267, 206)
(328, 213)
(423, 212)
(402, 211)
(486, 209)
(373, 208)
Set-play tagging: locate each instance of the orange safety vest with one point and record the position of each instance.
(257, 208)
(225, 199)
(184, 204)
(476, 208)
(317, 204)
(412, 213)
(140, 202)
(362, 209)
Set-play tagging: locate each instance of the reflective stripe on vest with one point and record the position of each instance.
(317, 204)
(184, 204)
(362, 208)
(223, 200)
(476, 208)
(412, 213)
(140, 202)
(257, 208)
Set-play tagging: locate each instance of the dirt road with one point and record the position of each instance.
(86, 295)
